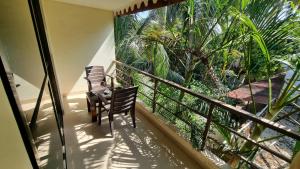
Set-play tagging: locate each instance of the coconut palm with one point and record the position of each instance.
(268, 34)
(177, 41)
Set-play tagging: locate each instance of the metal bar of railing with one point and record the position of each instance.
(158, 92)
(203, 142)
(207, 126)
(151, 99)
(229, 108)
(121, 79)
(255, 143)
(180, 118)
(265, 122)
(176, 101)
(185, 121)
(145, 84)
(154, 96)
(253, 165)
(120, 71)
(170, 111)
(145, 95)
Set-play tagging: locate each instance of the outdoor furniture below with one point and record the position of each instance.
(96, 78)
(122, 101)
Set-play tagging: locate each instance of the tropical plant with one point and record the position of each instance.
(211, 46)
(270, 29)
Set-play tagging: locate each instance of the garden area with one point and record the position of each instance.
(244, 53)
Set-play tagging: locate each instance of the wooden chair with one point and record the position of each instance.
(122, 101)
(96, 78)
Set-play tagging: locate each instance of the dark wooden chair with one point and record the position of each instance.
(96, 79)
(122, 101)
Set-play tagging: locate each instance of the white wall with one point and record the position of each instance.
(13, 154)
(19, 48)
(79, 36)
(3, 56)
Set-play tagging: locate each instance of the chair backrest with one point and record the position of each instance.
(123, 100)
(96, 76)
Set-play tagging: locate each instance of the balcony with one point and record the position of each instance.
(211, 118)
(170, 133)
(158, 142)
(92, 146)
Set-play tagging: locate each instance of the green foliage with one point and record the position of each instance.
(296, 148)
(211, 47)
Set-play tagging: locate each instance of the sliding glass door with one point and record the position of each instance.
(30, 82)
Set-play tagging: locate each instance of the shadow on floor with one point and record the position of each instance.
(91, 146)
(47, 139)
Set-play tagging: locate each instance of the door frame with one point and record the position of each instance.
(49, 69)
(48, 64)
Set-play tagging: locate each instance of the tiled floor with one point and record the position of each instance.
(92, 146)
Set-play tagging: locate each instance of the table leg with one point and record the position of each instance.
(100, 111)
(93, 112)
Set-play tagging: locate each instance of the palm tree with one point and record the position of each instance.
(268, 27)
(173, 42)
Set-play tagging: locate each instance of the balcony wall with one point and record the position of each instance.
(78, 36)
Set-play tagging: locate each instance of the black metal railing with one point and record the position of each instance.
(211, 110)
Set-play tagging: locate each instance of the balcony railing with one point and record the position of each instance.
(208, 111)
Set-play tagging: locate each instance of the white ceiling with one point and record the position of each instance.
(111, 5)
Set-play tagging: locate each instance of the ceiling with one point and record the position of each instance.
(111, 5)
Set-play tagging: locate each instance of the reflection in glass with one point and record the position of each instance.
(47, 137)
(20, 53)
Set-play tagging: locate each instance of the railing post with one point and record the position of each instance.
(154, 96)
(207, 125)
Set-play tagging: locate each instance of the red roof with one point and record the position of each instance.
(259, 90)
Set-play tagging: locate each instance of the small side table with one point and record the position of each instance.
(92, 101)
(104, 99)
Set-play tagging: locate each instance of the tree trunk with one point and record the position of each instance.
(187, 80)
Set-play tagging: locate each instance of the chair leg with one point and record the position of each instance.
(93, 109)
(132, 112)
(111, 125)
(88, 105)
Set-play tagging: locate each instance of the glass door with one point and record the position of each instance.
(27, 70)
